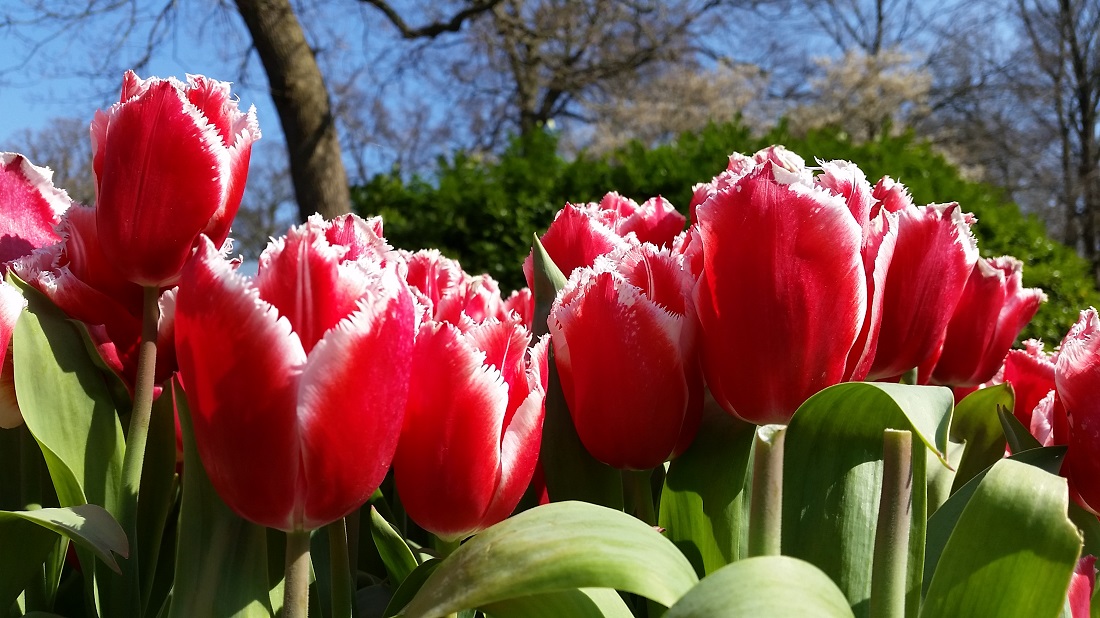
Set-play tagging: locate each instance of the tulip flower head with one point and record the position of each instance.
(473, 426)
(298, 379)
(1077, 380)
(170, 162)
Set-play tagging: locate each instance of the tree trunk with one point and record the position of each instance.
(305, 112)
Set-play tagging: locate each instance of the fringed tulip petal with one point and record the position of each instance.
(449, 452)
(1077, 377)
(241, 364)
(348, 399)
(30, 207)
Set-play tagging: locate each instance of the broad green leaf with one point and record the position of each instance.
(551, 548)
(221, 559)
(28, 537)
(942, 523)
(1013, 550)
(395, 553)
(763, 587)
(570, 472)
(701, 501)
(977, 424)
(66, 405)
(940, 477)
(579, 603)
(1019, 437)
(833, 475)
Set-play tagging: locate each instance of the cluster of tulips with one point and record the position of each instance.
(345, 366)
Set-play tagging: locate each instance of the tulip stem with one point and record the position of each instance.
(296, 582)
(766, 508)
(340, 566)
(890, 564)
(638, 490)
(138, 432)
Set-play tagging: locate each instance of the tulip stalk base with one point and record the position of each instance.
(638, 491)
(342, 582)
(766, 508)
(891, 553)
(296, 583)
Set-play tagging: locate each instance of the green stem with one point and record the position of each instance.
(137, 435)
(889, 569)
(296, 583)
(766, 506)
(638, 491)
(351, 527)
(341, 569)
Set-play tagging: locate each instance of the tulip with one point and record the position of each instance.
(1030, 371)
(575, 238)
(788, 291)
(11, 305)
(933, 258)
(654, 221)
(447, 294)
(1081, 584)
(1077, 380)
(625, 345)
(992, 311)
(297, 379)
(473, 425)
(170, 161)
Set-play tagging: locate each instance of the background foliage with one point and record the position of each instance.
(484, 211)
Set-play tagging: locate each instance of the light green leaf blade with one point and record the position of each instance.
(833, 477)
(701, 502)
(411, 586)
(551, 548)
(580, 603)
(1019, 437)
(763, 587)
(1012, 552)
(66, 405)
(221, 559)
(89, 525)
(392, 548)
(977, 424)
(943, 521)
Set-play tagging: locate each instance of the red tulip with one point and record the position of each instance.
(654, 221)
(788, 289)
(625, 341)
(170, 164)
(473, 425)
(992, 311)
(933, 258)
(447, 294)
(11, 306)
(577, 236)
(1077, 379)
(297, 379)
(1079, 596)
(1030, 371)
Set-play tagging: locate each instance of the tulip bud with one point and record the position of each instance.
(625, 345)
(170, 164)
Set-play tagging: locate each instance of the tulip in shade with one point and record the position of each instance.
(473, 425)
(298, 379)
(1077, 378)
(170, 164)
(788, 291)
(1081, 584)
(992, 311)
(624, 334)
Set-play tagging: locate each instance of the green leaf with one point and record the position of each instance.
(940, 477)
(28, 537)
(1019, 437)
(977, 424)
(66, 405)
(571, 472)
(552, 548)
(411, 586)
(578, 603)
(701, 502)
(159, 491)
(1013, 550)
(221, 559)
(766, 586)
(833, 475)
(942, 523)
(393, 550)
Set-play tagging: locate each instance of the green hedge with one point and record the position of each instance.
(483, 213)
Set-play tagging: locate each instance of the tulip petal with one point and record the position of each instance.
(241, 365)
(519, 454)
(1077, 376)
(353, 393)
(11, 307)
(30, 206)
(574, 239)
(449, 452)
